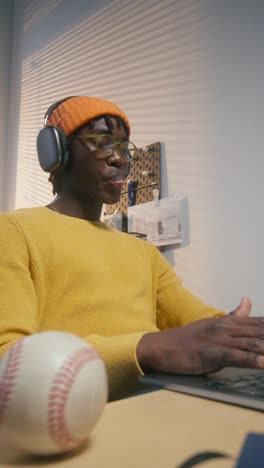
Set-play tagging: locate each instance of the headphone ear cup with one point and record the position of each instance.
(52, 149)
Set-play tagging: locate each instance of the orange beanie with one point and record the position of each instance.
(76, 111)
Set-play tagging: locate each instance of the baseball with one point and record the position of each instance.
(53, 389)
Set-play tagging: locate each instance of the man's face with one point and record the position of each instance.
(94, 176)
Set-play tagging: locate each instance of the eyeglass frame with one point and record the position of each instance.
(116, 144)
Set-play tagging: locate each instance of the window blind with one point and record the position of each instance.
(149, 57)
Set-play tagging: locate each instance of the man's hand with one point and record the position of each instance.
(234, 340)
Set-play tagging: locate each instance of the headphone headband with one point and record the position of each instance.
(53, 107)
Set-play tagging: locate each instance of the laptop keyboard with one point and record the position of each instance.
(250, 385)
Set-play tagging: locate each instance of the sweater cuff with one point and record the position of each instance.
(119, 356)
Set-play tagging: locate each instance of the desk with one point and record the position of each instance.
(154, 430)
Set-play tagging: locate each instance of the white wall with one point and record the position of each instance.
(6, 7)
(189, 73)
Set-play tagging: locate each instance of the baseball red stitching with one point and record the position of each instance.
(59, 394)
(8, 381)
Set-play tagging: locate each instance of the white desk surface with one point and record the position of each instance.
(154, 430)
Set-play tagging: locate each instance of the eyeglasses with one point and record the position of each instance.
(106, 146)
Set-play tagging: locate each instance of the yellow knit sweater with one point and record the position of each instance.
(62, 273)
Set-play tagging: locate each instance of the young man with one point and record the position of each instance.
(62, 269)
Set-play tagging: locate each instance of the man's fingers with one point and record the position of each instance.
(236, 326)
(253, 344)
(244, 308)
(237, 358)
(254, 329)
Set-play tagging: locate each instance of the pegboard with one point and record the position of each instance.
(145, 170)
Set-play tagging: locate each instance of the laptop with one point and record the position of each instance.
(241, 387)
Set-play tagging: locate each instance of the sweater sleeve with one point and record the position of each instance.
(176, 306)
(119, 356)
(18, 302)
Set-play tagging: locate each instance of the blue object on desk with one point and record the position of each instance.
(252, 453)
(132, 185)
